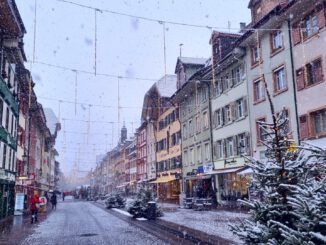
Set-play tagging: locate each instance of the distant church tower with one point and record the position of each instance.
(123, 137)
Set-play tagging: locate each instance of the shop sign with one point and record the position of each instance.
(200, 169)
(208, 168)
(7, 175)
(31, 176)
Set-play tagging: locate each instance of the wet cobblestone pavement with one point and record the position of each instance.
(15, 229)
(84, 223)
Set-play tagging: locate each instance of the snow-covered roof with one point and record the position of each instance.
(167, 85)
(51, 120)
(193, 61)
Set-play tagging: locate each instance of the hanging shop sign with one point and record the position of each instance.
(208, 168)
(6, 175)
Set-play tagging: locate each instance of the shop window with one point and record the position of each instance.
(279, 80)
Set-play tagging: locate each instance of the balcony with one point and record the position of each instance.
(8, 97)
(7, 138)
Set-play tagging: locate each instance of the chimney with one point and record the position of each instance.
(242, 26)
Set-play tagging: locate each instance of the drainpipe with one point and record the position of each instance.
(293, 80)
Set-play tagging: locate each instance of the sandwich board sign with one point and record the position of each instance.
(19, 204)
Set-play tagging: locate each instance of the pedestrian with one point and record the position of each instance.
(35, 204)
(54, 201)
(46, 197)
(63, 196)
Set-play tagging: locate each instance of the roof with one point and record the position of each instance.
(167, 85)
(190, 61)
(51, 120)
(193, 61)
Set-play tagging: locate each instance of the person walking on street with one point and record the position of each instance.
(54, 201)
(35, 203)
(63, 196)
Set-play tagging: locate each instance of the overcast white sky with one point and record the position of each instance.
(126, 46)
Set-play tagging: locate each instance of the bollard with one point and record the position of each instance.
(151, 210)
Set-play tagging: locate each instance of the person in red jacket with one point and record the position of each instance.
(34, 207)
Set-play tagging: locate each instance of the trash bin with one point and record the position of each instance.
(151, 210)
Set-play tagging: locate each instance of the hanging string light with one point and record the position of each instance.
(88, 124)
(76, 87)
(164, 49)
(95, 40)
(212, 55)
(59, 110)
(34, 40)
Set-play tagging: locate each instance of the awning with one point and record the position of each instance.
(245, 171)
(164, 179)
(194, 177)
(227, 170)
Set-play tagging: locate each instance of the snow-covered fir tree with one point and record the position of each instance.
(291, 185)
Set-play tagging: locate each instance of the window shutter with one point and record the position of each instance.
(235, 146)
(304, 127)
(224, 148)
(215, 150)
(247, 150)
(245, 106)
(321, 17)
(214, 119)
(233, 111)
(296, 35)
(223, 116)
(319, 71)
(300, 79)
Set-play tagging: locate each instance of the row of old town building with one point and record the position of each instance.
(27, 130)
(197, 124)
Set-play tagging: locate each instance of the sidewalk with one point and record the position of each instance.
(15, 229)
(214, 222)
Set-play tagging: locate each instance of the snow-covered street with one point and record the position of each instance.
(84, 223)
